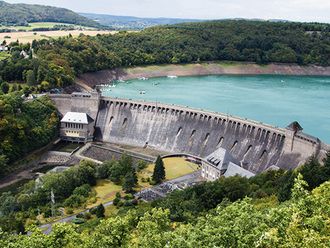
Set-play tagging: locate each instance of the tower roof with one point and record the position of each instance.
(295, 126)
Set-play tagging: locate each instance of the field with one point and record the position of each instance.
(26, 37)
(105, 191)
(174, 168)
(43, 25)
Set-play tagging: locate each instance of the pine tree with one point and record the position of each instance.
(159, 172)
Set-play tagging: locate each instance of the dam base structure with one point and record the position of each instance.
(175, 129)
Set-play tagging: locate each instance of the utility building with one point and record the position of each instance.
(77, 127)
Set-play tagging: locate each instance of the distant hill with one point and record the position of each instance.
(133, 23)
(22, 14)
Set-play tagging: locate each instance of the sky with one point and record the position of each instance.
(294, 10)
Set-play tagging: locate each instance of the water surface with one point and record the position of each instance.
(275, 100)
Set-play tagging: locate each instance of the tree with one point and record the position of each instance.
(115, 173)
(130, 181)
(141, 165)
(99, 211)
(30, 78)
(117, 199)
(159, 171)
(5, 87)
(3, 164)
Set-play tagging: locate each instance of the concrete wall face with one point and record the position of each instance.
(174, 129)
(70, 103)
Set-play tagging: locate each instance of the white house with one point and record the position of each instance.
(77, 127)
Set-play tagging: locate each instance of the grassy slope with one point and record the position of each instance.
(26, 37)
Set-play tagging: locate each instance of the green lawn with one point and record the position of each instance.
(105, 191)
(174, 168)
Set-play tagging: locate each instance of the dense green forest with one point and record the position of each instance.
(59, 61)
(273, 209)
(24, 127)
(22, 14)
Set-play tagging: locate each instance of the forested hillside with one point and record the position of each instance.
(24, 127)
(59, 61)
(22, 14)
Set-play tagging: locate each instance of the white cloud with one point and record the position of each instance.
(297, 10)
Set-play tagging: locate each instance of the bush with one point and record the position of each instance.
(116, 201)
(74, 201)
(87, 216)
(80, 215)
(141, 165)
(83, 190)
(69, 211)
(129, 197)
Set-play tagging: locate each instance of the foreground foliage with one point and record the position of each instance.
(303, 221)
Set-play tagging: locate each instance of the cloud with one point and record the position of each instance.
(296, 10)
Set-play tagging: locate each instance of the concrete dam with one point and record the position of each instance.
(177, 129)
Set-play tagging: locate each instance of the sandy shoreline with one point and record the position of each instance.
(200, 69)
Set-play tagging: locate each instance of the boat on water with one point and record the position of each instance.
(120, 81)
(172, 76)
(142, 92)
(143, 78)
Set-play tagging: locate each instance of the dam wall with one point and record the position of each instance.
(77, 102)
(178, 129)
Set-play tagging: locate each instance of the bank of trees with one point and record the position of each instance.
(59, 61)
(301, 221)
(24, 127)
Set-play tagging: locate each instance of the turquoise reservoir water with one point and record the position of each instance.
(276, 100)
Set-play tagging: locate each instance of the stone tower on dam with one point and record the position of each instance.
(176, 129)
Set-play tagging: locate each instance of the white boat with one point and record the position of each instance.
(143, 78)
(172, 77)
